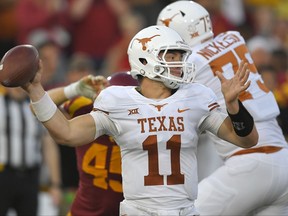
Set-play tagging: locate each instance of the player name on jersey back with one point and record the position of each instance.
(224, 41)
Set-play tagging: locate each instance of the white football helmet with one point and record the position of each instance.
(144, 58)
(189, 19)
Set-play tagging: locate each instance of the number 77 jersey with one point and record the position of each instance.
(224, 53)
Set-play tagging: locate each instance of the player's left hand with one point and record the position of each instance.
(231, 88)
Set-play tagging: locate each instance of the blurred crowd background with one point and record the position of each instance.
(79, 37)
(93, 34)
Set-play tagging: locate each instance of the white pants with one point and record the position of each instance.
(249, 184)
(128, 209)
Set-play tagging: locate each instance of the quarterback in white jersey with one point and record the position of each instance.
(157, 124)
(161, 138)
(238, 187)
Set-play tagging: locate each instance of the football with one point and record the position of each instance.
(19, 65)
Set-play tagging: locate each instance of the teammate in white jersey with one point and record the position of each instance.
(157, 124)
(253, 180)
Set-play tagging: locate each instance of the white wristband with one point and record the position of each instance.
(70, 91)
(45, 108)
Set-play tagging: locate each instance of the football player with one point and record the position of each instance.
(237, 187)
(99, 162)
(156, 124)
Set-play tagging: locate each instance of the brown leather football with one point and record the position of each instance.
(19, 65)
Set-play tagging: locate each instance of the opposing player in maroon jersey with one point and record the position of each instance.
(98, 163)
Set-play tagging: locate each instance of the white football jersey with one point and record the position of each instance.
(158, 141)
(224, 54)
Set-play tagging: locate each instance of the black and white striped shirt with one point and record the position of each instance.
(20, 134)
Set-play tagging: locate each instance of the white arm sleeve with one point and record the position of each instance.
(104, 125)
(213, 122)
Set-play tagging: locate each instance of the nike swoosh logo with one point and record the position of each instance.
(182, 110)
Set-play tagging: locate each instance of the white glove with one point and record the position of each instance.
(85, 87)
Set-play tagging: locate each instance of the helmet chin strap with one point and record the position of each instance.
(168, 83)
